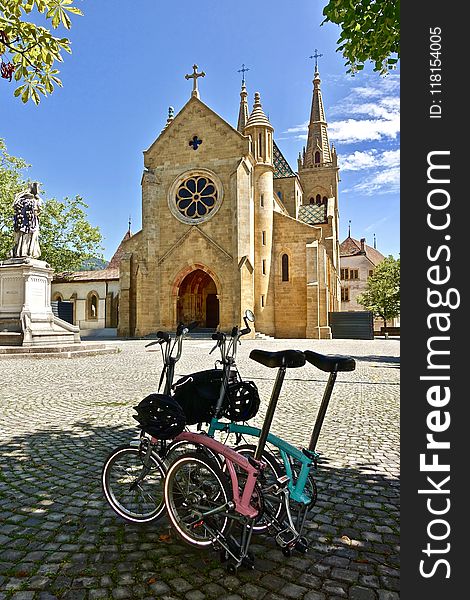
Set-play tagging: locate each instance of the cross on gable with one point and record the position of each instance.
(195, 77)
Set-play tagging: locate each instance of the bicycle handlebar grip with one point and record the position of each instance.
(163, 335)
(192, 325)
(245, 331)
(218, 336)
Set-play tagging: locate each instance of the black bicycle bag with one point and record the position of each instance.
(197, 394)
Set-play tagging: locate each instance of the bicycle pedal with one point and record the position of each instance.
(283, 481)
(278, 487)
(286, 537)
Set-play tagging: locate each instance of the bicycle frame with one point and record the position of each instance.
(286, 450)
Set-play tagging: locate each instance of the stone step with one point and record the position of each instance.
(263, 336)
(11, 338)
(53, 349)
(65, 354)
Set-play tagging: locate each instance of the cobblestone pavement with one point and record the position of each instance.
(59, 539)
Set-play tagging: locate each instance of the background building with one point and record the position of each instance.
(226, 225)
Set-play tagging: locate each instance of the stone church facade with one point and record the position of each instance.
(227, 225)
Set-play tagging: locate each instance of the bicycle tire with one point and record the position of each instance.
(274, 506)
(123, 467)
(193, 485)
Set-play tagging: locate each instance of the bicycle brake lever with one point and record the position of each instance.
(213, 349)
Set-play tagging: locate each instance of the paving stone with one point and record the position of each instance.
(388, 595)
(291, 590)
(195, 595)
(361, 593)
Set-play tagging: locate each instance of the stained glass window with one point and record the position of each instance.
(196, 197)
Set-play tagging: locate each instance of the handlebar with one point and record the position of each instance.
(163, 335)
(218, 336)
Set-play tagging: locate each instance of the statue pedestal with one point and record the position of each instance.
(26, 317)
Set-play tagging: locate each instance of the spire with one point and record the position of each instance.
(349, 228)
(257, 117)
(243, 113)
(129, 229)
(375, 242)
(170, 116)
(318, 147)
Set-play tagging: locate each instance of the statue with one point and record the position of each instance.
(27, 206)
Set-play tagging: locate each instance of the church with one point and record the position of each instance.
(227, 225)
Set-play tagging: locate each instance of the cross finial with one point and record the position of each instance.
(316, 56)
(129, 230)
(349, 229)
(194, 77)
(243, 70)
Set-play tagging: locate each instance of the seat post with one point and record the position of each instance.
(268, 419)
(322, 410)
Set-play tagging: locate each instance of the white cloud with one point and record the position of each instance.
(352, 131)
(372, 121)
(369, 159)
(382, 182)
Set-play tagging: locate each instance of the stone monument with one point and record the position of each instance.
(26, 317)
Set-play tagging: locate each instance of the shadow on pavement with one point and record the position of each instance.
(59, 538)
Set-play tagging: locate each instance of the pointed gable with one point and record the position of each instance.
(194, 117)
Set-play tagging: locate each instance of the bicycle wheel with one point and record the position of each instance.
(133, 490)
(273, 505)
(194, 486)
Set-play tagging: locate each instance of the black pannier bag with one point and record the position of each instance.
(197, 394)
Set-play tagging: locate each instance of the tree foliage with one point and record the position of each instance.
(28, 51)
(382, 294)
(370, 32)
(66, 237)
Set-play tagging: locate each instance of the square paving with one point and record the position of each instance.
(59, 419)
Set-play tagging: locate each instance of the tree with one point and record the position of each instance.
(66, 237)
(28, 51)
(382, 294)
(370, 31)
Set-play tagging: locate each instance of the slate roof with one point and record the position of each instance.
(281, 166)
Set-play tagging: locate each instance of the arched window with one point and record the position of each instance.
(285, 267)
(318, 199)
(312, 201)
(325, 200)
(317, 157)
(92, 306)
(57, 297)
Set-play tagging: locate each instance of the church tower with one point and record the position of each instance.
(319, 175)
(260, 130)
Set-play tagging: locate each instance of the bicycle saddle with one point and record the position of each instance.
(330, 363)
(282, 358)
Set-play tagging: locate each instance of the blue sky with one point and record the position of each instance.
(128, 65)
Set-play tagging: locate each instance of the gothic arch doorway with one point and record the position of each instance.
(197, 299)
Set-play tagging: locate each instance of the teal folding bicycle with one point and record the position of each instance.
(283, 460)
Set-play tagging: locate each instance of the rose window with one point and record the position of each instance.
(196, 197)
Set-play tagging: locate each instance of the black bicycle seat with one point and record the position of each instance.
(282, 358)
(330, 363)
